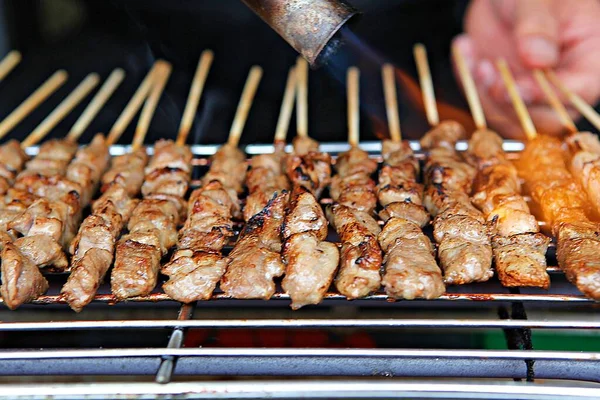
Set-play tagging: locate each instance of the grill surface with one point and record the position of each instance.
(462, 311)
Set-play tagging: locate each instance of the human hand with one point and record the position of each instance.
(557, 34)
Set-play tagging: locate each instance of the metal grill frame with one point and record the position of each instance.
(173, 361)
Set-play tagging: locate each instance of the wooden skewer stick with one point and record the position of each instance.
(99, 100)
(470, 89)
(61, 111)
(302, 97)
(391, 102)
(554, 101)
(8, 63)
(287, 104)
(426, 82)
(243, 108)
(520, 109)
(353, 85)
(135, 103)
(584, 108)
(34, 100)
(194, 96)
(161, 76)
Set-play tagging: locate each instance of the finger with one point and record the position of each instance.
(536, 33)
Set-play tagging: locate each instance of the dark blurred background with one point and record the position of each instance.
(98, 35)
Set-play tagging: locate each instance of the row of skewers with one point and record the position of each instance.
(286, 228)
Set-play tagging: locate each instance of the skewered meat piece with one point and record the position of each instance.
(128, 171)
(464, 249)
(409, 258)
(584, 149)
(307, 167)
(311, 262)
(564, 205)
(94, 246)
(229, 168)
(87, 167)
(255, 260)
(518, 247)
(360, 254)
(153, 224)
(265, 178)
(53, 158)
(12, 160)
(22, 280)
(353, 186)
(197, 266)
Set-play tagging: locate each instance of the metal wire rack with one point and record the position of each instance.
(176, 369)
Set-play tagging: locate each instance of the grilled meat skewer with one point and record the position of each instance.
(519, 249)
(464, 251)
(12, 161)
(411, 270)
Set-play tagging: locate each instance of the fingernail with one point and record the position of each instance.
(463, 44)
(540, 51)
(486, 74)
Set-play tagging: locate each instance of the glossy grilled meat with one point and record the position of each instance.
(464, 249)
(255, 259)
(410, 269)
(518, 249)
(265, 177)
(304, 145)
(87, 167)
(311, 262)
(128, 171)
(353, 186)
(311, 171)
(584, 155)
(12, 161)
(360, 258)
(564, 205)
(52, 159)
(198, 265)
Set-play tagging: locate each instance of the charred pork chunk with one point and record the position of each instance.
(153, 223)
(197, 265)
(94, 246)
(255, 260)
(307, 167)
(565, 207)
(409, 261)
(353, 191)
(519, 249)
(265, 177)
(584, 157)
(464, 248)
(311, 262)
(12, 161)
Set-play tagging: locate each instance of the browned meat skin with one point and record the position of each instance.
(12, 161)
(307, 167)
(197, 266)
(360, 258)
(265, 177)
(87, 167)
(464, 248)
(409, 262)
(22, 280)
(53, 158)
(94, 246)
(255, 260)
(518, 250)
(311, 262)
(153, 223)
(128, 171)
(228, 166)
(564, 205)
(353, 186)
(584, 157)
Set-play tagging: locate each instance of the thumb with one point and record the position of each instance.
(536, 33)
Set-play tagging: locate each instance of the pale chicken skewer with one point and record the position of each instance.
(310, 261)
(47, 221)
(410, 268)
(562, 201)
(519, 249)
(93, 247)
(353, 191)
(464, 248)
